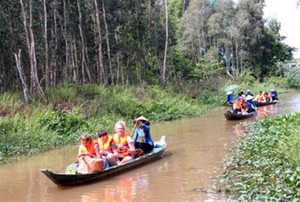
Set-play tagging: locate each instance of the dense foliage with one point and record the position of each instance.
(265, 164)
(134, 42)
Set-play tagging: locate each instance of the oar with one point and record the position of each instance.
(133, 129)
(224, 103)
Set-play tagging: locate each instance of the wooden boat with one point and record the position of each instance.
(234, 116)
(258, 104)
(63, 179)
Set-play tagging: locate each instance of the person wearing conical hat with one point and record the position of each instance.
(230, 97)
(142, 137)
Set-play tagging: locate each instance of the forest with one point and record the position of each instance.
(134, 42)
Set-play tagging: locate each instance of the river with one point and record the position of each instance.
(193, 159)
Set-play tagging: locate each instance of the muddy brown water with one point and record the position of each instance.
(193, 159)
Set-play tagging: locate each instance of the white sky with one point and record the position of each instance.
(288, 14)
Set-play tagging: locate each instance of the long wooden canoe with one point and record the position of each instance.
(63, 179)
(234, 116)
(258, 104)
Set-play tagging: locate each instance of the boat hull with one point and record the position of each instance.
(229, 115)
(63, 179)
(259, 104)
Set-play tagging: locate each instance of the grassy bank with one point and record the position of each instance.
(265, 164)
(72, 110)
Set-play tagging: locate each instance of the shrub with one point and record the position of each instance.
(293, 79)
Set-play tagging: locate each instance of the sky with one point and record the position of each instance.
(288, 14)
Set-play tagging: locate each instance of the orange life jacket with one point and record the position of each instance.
(237, 105)
(244, 105)
(259, 98)
(90, 149)
(106, 146)
(122, 140)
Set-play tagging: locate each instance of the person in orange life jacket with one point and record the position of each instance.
(106, 145)
(237, 105)
(259, 97)
(89, 147)
(142, 132)
(125, 145)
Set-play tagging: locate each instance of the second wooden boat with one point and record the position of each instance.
(229, 115)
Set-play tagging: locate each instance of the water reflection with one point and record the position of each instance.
(125, 189)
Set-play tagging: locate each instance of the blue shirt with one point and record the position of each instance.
(143, 133)
(230, 98)
(251, 104)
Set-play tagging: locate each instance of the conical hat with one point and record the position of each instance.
(141, 118)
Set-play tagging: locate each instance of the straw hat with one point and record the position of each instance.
(249, 97)
(143, 119)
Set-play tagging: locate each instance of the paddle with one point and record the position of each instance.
(133, 129)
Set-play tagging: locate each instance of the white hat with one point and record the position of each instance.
(249, 97)
(228, 93)
(248, 90)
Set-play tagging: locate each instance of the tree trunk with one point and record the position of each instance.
(64, 74)
(101, 73)
(34, 80)
(83, 48)
(21, 74)
(47, 71)
(107, 44)
(164, 66)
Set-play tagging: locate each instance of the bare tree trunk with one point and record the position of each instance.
(34, 80)
(75, 62)
(101, 71)
(47, 71)
(53, 60)
(84, 65)
(107, 44)
(64, 74)
(21, 74)
(163, 68)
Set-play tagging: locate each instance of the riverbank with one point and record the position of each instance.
(265, 163)
(72, 110)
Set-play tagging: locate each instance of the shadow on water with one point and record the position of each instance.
(193, 159)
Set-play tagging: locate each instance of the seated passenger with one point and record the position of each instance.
(106, 145)
(244, 104)
(267, 97)
(89, 157)
(88, 147)
(259, 97)
(250, 104)
(125, 145)
(274, 95)
(142, 132)
(230, 97)
(237, 105)
(249, 93)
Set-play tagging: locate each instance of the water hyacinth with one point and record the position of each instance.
(265, 164)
